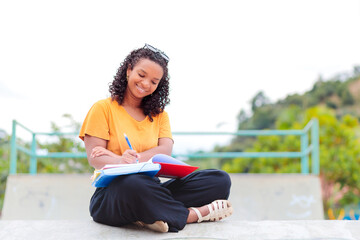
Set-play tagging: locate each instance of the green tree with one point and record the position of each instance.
(64, 144)
(260, 99)
(55, 144)
(356, 71)
(339, 154)
(4, 165)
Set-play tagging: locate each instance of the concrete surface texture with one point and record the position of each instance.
(47, 196)
(276, 197)
(254, 197)
(55, 206)
(227, 229)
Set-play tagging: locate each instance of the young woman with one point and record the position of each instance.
(139, 94)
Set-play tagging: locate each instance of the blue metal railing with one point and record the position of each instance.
(305, 149)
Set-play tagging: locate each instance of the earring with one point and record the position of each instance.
(127, 78)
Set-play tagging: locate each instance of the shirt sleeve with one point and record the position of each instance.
(165, 129)
(96, 123)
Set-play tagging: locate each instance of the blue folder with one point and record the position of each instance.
(105, 176)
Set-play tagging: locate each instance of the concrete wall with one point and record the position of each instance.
(276, 197)
(254, 196)
(47, 196)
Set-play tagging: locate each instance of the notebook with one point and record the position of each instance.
(172, 167)
(103, 177)
(160, 165)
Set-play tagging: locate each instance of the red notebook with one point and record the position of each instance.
(172, 167)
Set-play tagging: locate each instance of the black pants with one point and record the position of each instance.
(137, 197)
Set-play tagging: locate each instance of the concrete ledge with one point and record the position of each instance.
(260, 197)
(227, 229)
(254, 197)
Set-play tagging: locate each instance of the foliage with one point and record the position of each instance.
(22, 163)
(336, 106)
(264, 114)
(64, 144)
(339, 154)
(259, 100)
(4, 166)
(46, 165)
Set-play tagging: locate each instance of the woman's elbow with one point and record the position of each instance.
(94, 163)
(167, 149)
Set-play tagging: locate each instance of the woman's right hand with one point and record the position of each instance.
(99, 156)
(129, 156)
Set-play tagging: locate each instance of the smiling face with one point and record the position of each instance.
(143, 79)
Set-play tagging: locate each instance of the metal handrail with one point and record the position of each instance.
(305, 148)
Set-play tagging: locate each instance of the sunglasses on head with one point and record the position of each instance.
(155, 50)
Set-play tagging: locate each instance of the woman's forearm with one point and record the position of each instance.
(99, 156)
(145, 156)
(164, 148)
(101, 161)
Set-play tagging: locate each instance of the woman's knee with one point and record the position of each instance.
(220, 180)
(130, 179)
(224, 178)
(219, 176)
(130, 183)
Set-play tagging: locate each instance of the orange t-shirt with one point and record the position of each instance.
(108, 120)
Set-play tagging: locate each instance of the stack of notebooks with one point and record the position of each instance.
(160, 165)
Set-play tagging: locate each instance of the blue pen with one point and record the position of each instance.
(131, 148)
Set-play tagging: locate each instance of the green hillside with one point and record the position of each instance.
(335, 103)
(341, 93)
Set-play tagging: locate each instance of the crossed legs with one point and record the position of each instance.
(135, 198)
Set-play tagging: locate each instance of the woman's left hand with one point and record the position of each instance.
(100, 151)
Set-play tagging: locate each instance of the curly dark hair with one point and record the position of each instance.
(153, 104)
